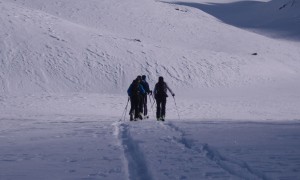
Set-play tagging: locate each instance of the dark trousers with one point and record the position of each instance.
(141, 104)
(145, 110)
(135, 106)
(161, 107)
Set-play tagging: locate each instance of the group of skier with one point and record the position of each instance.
(138, 91)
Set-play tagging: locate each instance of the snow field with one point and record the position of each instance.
(79, 148)
(87, 147)
(62, 142)
(65, 66)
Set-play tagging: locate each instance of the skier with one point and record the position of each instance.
(160, 94)
(135, 92)
(143, 107)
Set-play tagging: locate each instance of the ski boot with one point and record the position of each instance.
(131, 117)
(141, 116)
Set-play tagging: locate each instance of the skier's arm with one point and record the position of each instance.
(142, 89)
(170, 90)
(147, 88)
(154, 91)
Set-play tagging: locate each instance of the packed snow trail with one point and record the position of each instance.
(235, 167)
(169, 143)
(135, 159)
(162, 148)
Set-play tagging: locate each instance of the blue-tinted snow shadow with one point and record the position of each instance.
(277, 19)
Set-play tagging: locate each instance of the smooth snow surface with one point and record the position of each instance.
(65, 66)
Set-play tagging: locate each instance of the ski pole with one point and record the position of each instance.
(124, 112)
(126, 108)
(176, 108)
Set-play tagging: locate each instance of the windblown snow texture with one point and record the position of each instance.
(62, 46)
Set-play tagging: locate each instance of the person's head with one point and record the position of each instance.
(143, 77)
(161, 79)
(139, 78)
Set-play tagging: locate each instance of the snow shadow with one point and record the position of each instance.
(276, 18)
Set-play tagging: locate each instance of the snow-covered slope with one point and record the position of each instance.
(65, 66)
(100, 46)
(272, 18)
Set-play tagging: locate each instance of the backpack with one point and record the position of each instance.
(161, 90)
(135, 89)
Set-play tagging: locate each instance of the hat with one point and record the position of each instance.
(143, 77)
(139, 78)
(161, 79)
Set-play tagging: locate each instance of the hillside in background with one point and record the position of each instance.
(100, 46)
(272, 18)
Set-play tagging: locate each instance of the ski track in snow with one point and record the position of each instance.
(138, 167)
(135, 158)
(235, 167)
(144, 149)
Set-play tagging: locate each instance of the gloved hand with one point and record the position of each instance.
(173, 94)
